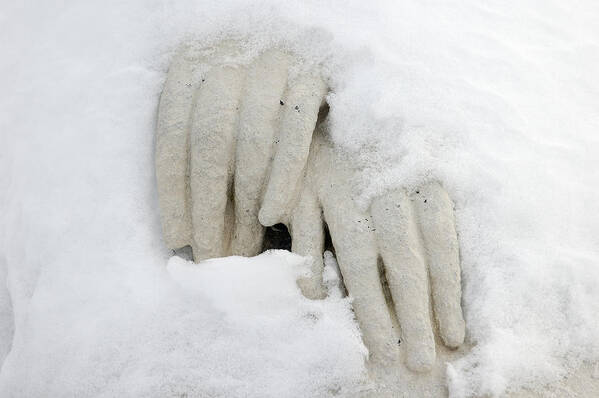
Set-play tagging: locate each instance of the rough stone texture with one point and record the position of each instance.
(238, 148)
(228, 133)
(388, 238)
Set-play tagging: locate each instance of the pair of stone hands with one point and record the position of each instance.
(240, 146)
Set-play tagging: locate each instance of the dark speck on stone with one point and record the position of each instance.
(417, 191)
(398, 341)
(424, 200)
(281, 102)
(296, 108)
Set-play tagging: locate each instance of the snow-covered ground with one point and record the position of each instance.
(498, 100)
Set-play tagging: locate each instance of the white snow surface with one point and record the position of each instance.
(499, 100)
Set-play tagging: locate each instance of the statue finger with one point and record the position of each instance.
(213, 131)
(258, 121)
(307, 234)
(172, 153)
(405, 270)
(434, 209)
(355, 247)
(300, 113)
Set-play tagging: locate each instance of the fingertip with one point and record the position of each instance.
(453, 334)
(269, 216)
(421, 357)
(312, 288)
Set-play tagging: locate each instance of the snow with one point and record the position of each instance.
(497, 100)
(230, 324)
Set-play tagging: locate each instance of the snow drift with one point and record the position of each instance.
(499, 101)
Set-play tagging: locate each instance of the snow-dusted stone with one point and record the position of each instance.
(221, 121)
(242, 144)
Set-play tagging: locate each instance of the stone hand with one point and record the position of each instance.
(405, 240)
(231, 131)
(220, 123)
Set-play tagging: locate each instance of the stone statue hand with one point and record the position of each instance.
(221, 121)
(402, 242)
(231, 131)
